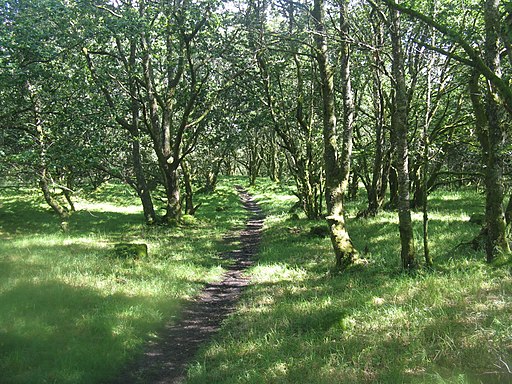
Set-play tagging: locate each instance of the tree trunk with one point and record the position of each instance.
(189, 193)
(375, 195)
(399, 124)
(491, 139)
(141, 185)
(497, 240)
(172, 191)
(58, 208)
(335, 174)
(508, 211)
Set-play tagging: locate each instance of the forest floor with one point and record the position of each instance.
(72, 312)
(166, 358)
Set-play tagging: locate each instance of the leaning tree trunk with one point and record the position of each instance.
(44, 177)
(335, 174)
(399, 126)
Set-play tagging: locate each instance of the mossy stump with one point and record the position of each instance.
(131, 250)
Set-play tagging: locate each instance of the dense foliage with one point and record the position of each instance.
(399, 98)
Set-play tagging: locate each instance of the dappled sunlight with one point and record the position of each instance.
(107, 207)
(53, 242)
(373, 323)
(276, 273)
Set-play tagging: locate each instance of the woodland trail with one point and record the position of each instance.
(165, 360)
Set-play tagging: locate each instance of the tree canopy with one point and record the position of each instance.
(398, 98)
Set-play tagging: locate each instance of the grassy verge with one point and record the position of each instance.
(300, 324)
(70, 312)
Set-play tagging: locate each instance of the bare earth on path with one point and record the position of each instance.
(165, 360)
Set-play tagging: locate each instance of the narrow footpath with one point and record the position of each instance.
(166, 360)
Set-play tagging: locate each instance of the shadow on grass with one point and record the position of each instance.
(21, 218)
(362, 327)
(82, 332)
(298, 323)
(54, 332)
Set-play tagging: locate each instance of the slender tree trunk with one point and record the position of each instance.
(189, 193)
(67, 193)
(141, 185)
(375, 195)
(58, 208)
(132, 127)
(508, 211)
(44, 178)
(335, 173)
(425, 155)
(399, 123)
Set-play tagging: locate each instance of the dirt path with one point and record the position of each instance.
(165, 360)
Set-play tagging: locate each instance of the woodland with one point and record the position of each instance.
(375, 135)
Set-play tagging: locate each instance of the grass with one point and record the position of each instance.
(70, 312)
(299, 323)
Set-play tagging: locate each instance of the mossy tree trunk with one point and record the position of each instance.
(399, 126)
(336, 167)
(490, 135)
(495, 218)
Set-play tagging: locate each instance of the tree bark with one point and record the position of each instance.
(336, 174)
(399, 124)
(189, 193)
(377, 187)
(497, 241)
(508, 211)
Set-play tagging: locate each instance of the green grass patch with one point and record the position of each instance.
(72, 312)
(298, 323)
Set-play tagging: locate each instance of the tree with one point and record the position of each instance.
(336, 168)
(399, 127)
(44, 114)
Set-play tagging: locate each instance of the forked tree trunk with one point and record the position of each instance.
(336, 174)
